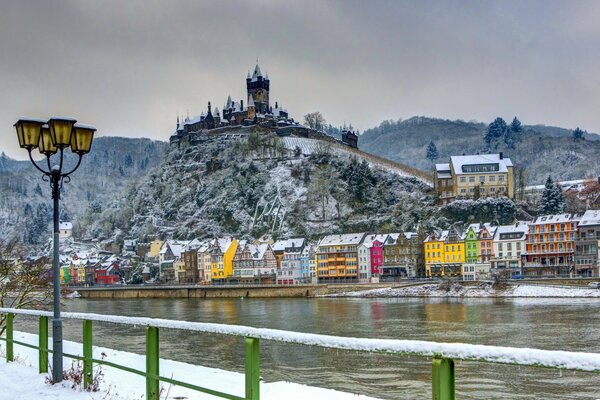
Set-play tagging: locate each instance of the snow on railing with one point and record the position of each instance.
(495, 354)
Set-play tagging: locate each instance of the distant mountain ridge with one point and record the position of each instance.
(543, 150)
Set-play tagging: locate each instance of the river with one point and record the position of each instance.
(553, 324)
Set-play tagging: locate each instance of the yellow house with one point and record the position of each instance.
(179, 269)
(434, 253)
(222, 253)
(155, 247)
(454, 253)
(337, 257)
(81, 274)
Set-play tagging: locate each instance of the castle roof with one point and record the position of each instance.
(250, 102)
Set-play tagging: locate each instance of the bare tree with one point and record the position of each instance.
(24, 283)
(315, 120)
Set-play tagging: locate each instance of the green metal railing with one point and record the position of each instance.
(444, 354)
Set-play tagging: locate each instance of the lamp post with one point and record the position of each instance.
(51, 137)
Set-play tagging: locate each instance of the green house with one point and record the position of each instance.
(471, 244)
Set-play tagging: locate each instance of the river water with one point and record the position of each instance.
(553, 324)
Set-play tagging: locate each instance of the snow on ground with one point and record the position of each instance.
(523, 290)
(21, 380)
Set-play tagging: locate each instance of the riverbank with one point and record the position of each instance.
(458, 290)
(21, 380)
(233, 291)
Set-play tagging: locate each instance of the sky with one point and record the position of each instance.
(130, 67)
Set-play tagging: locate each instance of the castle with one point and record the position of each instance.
(257, 110)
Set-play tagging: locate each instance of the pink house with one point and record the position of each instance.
(376, 257)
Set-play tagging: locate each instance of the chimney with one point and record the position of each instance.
(242, 104)
(501, 156)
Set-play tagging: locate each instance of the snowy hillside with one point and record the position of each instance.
(248, 185)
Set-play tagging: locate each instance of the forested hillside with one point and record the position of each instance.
(248, 186)
(112, 165)
(542, 150)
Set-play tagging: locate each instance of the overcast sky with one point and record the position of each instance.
(130, 66)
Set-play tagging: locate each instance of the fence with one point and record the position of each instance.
(442, 376)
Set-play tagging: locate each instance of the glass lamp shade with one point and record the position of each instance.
(61, 129)
(81, 140)
(46, 146)
(28, 132)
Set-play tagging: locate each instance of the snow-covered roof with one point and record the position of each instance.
(349, 239)
(521, 227)
(459, 162)
(250, 102)
(369, 239)
(442, 167)
(256, 74)
(259, 251)
(281, 245)
(552, 219)
(590, 217)
(65, 226)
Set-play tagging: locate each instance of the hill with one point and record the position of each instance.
(248, 184)
(112, 165)
(543, 150)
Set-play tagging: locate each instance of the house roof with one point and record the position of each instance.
(369, 239)
(459, 161)
(552, 219)
(590, 217)
(65, 225)
(349, 238)
(281, 245)
(520, 227)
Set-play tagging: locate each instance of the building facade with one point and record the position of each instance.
(474, 176)
(587, 245)
(337, 257)
(550, 246)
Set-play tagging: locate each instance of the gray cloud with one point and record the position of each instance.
(130, 67)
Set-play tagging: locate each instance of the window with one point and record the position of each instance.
(463, 179)
(499, 246)
(493, 190)
(471, 179)
(463, 190)
(492, 178)
(482, 179)
(500, 178)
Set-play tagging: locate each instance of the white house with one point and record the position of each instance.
(509, 243)
(65, 230)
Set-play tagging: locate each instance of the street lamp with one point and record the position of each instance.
(51, 137)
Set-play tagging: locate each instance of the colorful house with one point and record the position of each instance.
(471, 244)
(485, 242)
(550, 246)
(434, 253)
(337, 257)
(454, 253)
(222, 254)
(108, 274)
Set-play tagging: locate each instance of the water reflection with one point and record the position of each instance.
(568, 324)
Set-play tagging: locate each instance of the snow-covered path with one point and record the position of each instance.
(433, 290)
(20, 380)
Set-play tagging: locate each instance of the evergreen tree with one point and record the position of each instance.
(513, 133)
(495, 130)
(432, 152)
(552, 198)
(578, 134)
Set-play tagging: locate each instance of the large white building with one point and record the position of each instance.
(509, 243)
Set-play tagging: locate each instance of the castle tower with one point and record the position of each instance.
(251, 108)
(258, 89)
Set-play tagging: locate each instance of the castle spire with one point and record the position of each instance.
(209, 108)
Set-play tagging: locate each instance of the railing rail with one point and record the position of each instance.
(444, 354)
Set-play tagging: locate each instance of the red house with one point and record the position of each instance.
(376, 257)
(109, 274)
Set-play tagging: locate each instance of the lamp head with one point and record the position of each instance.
(81, 140)
(61, 129)
(46, 147)
(28, 132)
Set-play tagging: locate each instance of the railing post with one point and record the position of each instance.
(9, 337)
(442, 379)
(252, 369)
(87, 353)
(152, 357)
(43, 345)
